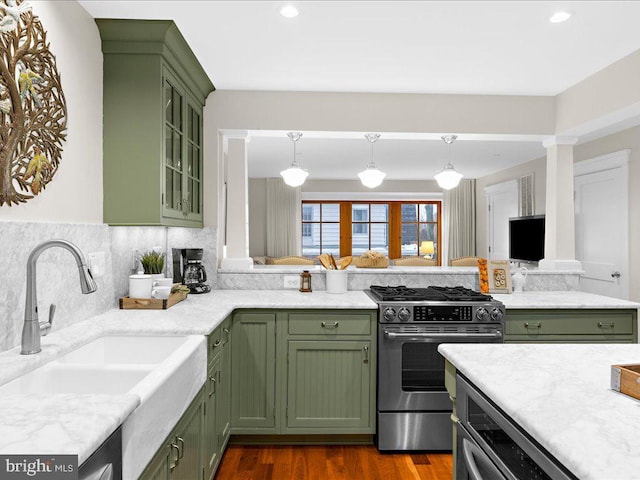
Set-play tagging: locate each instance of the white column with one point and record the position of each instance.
(560, 237)
(237, 204)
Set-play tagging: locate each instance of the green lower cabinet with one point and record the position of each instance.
(253, 372)
(210, 444)
(571, 326)
(159, 467)
(303, 372)
(223, 407)
(188, 440)
(329, 385)
(180, 458)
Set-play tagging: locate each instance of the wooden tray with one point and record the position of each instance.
(127, 303)
(624, 379)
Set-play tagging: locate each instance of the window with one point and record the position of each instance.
(320, 229)
(419, 224)
(350, 228)
(370, 228)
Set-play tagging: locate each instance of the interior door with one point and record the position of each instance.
(502, 202)
(602, 224)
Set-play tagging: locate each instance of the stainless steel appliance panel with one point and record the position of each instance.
(472, 462)
(414, 431)
(106, 462)
(410, 369)
(513, 452)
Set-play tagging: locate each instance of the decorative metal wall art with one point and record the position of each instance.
(33, 110)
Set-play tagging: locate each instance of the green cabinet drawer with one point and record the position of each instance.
(321, 323)
(584, 322)
(218, 339)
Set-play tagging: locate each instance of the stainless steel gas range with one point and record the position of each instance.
(414, 408)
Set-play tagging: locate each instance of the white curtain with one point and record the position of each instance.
(284, 219)
(459, 208)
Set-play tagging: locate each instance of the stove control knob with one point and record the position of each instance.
(389, 314)
(482, 314)
(404, 314)
(497, 314)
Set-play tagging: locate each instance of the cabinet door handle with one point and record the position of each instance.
(180, 441)
(226, 335)
(213, 380)
(366, 353)
(329, 325)
(175, 460)
(216, 343)
(605, 324)
(532, 325)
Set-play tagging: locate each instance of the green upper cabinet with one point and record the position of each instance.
(154, 92)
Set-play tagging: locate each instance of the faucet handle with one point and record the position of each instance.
(46, 326)
(52, 312)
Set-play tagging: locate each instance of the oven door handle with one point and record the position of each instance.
(440, 336)
(474, 457)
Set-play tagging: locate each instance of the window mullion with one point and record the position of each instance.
(345, 229)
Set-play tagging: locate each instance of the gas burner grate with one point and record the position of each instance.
(402, 293)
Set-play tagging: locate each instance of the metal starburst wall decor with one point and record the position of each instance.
(33, 110)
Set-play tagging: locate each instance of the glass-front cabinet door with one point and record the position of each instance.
(182, 196)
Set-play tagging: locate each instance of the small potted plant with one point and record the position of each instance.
(153, 263)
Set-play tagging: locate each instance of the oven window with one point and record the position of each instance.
(422, 368)
(516, 459)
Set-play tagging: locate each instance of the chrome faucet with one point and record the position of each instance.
(32, 327)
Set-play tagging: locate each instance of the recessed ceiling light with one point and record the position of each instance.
(289, 11)
(561, 16)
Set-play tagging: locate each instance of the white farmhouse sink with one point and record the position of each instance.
(119, 349)
(58, 378)
(165, 372)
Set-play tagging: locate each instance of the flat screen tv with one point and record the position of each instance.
(526, 238)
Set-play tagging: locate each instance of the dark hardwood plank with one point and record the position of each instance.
(333, 462)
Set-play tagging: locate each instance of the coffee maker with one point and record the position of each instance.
(188, 269)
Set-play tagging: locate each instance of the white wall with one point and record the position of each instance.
(539, 169)
(75, 193)
(608, 96)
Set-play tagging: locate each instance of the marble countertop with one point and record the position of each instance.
(62, 423)
(78, 424)
(197, 315)
(561, 396)
(564, 299)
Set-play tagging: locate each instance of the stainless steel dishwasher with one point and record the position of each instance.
(106, 462)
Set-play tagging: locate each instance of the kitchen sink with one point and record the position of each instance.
(164, 372)
(59, 378)
(125, 349)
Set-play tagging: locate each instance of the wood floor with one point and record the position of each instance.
(335, 462)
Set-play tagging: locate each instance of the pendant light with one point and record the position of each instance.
(448, 178)
(372, 176)
(294, 176)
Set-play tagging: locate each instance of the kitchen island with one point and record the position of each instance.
(560, 396)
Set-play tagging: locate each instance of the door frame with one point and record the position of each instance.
(612, 161)
(510, 186)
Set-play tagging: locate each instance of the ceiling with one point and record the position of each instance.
(400, 159)
(453, 47)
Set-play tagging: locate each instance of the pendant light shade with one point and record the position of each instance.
(294, 176)
(448, 178)
(372, 176)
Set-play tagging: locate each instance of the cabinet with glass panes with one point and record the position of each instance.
(154, 92)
